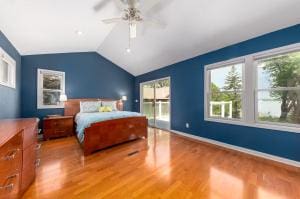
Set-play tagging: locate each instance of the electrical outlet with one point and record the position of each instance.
(187, 125)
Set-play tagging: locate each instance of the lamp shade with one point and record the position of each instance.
(124, 97)
(63, 97)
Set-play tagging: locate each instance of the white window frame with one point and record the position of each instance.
(11, 69)
(240, 60)
(40, 88)
(249, 101)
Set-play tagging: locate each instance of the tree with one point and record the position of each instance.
(159, 84)
(163, 83)
(216, 94)
(284, 71)
(233, 83)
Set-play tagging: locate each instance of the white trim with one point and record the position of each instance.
(249, 101)
(256, 125)
(249, 86)
(279, 89)
(221, 64)
(242, 149)
(276, 51)
(207, 89)
(12, 69)
(40, 88)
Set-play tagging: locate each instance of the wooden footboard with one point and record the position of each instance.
(108, 133)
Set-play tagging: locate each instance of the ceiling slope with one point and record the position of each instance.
(193, 27)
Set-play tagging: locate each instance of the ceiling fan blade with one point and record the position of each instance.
(131, 3)
(146, 5)
(112, 20)
(120, 4)
(154, 23)
(100, 5)
(132, 30)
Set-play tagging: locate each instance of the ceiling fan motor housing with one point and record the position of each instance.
(132, 14)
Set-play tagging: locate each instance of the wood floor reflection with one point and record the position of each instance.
(164, 166)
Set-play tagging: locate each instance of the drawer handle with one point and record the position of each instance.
(38, 146)
(37, 162)
(8, 187)
(12, 176)
(12, 155)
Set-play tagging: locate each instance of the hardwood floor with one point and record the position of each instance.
(165, 166)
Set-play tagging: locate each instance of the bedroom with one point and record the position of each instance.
(149, 99)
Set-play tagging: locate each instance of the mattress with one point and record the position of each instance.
(84, 120)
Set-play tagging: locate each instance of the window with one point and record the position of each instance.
(225, 91)
(278, 89)
(51, 84)
(259, 90)
(7, 70)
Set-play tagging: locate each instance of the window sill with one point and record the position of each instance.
(255, 125)
(51, 107)
(7, 85)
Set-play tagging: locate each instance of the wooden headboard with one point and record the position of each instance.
(72, 106)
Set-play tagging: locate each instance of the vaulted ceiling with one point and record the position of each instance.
(192, 28)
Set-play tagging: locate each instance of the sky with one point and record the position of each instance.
(266, 105)
(218, 76)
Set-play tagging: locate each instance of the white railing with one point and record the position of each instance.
(222, 105)
(162, 110)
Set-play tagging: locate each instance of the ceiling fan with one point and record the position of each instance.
(133, 13)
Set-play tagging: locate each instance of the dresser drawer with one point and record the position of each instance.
(58, 124)
(29, 166)
(11, 154)
(10, 185)
(30, 136)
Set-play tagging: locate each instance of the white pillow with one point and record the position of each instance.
(112, 104)
(89, 106)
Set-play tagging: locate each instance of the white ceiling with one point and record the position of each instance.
(193, 27)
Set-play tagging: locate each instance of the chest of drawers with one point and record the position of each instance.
(18, 156)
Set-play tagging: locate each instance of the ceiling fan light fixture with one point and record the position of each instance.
(132, 30)
(128, 50)
(78, 32)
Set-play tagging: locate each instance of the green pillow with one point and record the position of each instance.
(105, 109)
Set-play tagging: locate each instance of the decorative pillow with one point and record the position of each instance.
(105, 109)
(112, 104)
(90, 106)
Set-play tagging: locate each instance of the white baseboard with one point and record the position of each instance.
(242, 149)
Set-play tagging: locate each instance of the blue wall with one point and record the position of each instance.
(88, 75)
(187, 88)
(10, 97)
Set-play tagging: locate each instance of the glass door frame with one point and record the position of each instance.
(141, 98)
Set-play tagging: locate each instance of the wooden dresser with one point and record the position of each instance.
(18, 156)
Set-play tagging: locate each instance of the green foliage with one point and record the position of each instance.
(233, 83)
(284, 71)
(159, 84)
(233, 80)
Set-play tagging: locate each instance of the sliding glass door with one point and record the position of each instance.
(155, 102)
(148, 102)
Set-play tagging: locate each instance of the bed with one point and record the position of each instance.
(96, 131)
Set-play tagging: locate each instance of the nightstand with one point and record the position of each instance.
(58, 126)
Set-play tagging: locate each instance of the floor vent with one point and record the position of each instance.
(132, 153)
